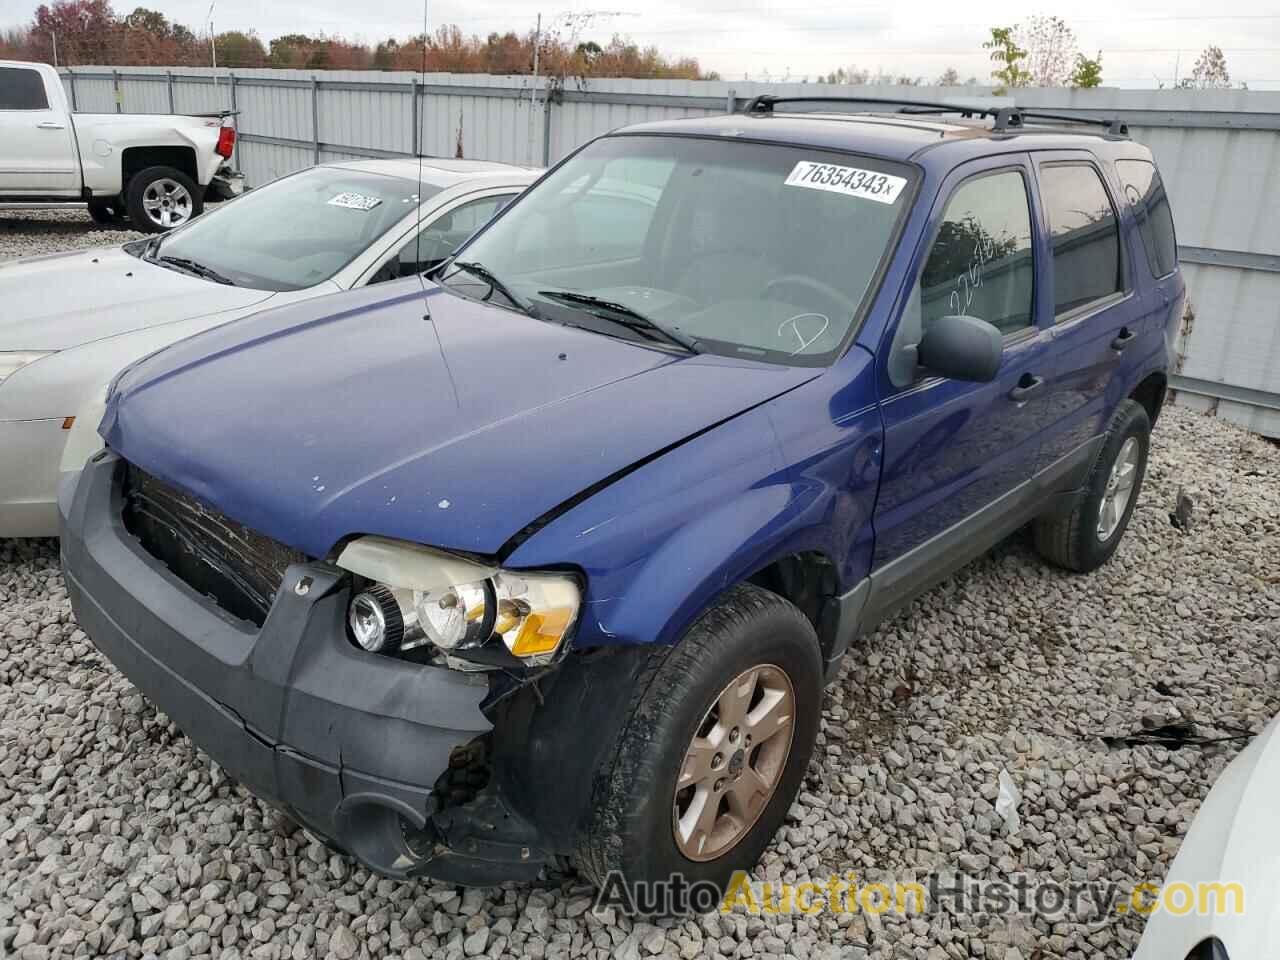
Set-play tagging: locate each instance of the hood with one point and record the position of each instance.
(62, 301)
(436, 420)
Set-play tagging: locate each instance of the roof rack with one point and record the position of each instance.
(1003, 117)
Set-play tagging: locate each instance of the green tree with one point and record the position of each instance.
(1087, 73)
(1005, 51)
(384, 55)
(238, 49)
(150, 21)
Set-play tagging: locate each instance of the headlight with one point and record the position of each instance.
(481, 613)
(13, 361)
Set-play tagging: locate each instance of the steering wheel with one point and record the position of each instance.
(833, 296)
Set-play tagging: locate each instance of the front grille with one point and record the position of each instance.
(238, 568)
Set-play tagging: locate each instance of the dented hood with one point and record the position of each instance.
(430, 418)
(67, 299)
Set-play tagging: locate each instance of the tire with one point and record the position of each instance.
(1074, 541)
(146, 196)
(106, 212)
(631, 832)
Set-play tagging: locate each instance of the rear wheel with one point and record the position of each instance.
(1086, 538)
(161, 198)
(720, 733)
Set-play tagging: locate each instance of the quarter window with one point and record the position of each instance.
(1144, 190)
(1085, 235)
(22, 89)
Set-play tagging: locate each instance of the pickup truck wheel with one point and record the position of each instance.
(161, 198)
(719, 734)
(1086, 538)
(105, 212)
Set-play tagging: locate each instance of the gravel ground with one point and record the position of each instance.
(117, 837)
(26, 233)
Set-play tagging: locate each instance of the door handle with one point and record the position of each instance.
(50, 125)
(1126, 337)
(1028, 385)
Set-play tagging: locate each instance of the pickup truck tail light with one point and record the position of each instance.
(226, 142)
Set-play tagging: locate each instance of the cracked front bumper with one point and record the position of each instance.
(351, 745)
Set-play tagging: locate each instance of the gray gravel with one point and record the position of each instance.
(117, 837)
(26, 233)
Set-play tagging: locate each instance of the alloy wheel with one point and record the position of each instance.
(167, 203)
(734, 763)
(1119, 489)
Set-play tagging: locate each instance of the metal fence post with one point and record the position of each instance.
(315, 117)
(71, 76)
(235, 121)
(417, 123)
(546, 130)
(169, 83)
(115, 82)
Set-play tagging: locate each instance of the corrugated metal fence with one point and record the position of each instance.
(1219, 152)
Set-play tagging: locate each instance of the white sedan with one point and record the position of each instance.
(1222, 891)
(69, 322)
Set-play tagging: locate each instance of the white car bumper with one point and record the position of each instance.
(29, 468)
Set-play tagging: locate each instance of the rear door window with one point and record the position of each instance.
(1085, 236)
(22, 89)
(1144, 192)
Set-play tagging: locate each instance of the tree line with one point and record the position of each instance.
(1041, 51)
(91, 32)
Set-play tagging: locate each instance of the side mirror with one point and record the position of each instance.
(961, 348)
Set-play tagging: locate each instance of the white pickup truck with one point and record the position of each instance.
(152, 169)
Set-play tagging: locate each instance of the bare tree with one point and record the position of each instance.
(1210, 71)
(1051, 50)
(950, 78)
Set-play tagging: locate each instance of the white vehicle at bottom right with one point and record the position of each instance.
(1227, 872)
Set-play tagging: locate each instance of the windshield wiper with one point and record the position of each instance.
(199, 269)
(489, 277)
(625, 316)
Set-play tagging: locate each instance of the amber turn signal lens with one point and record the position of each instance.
(541, 632)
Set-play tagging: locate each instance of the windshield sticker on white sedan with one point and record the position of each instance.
(355, 201)
(851, 181)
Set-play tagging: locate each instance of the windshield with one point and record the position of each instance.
(738, 248)
(297, 231)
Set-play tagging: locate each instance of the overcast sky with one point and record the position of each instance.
(1148, 40)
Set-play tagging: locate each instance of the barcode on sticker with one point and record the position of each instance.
(355, 201)
(851, 181)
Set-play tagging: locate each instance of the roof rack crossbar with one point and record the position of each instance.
(1003, 117)
(1114, 125)
(766, 102)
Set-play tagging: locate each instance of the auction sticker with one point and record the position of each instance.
(355, 201)
(851, 181)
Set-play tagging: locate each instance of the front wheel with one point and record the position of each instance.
(161, 198)
(1086, 538)
(719, 735)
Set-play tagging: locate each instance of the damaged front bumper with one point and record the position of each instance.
(382, 757)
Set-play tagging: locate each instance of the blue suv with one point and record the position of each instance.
(544, 559)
